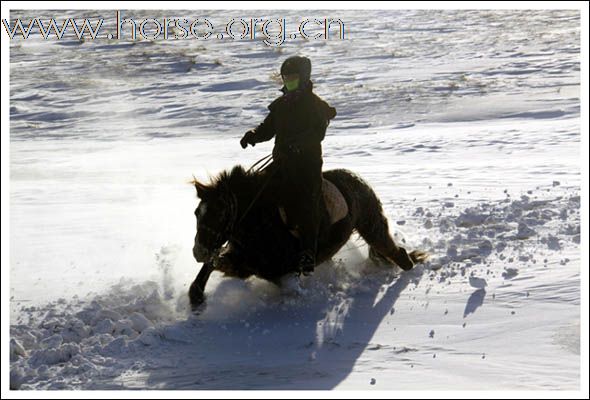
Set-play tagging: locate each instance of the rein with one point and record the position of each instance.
(267, 161)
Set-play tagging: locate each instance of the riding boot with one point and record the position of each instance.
(308, 231)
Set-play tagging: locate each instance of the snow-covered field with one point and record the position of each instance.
(467, 125)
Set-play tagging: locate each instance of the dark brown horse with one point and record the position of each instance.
(240, 231)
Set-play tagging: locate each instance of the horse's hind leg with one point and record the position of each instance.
(375, 231)
(378, 258)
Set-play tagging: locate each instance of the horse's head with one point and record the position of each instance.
(216, 214)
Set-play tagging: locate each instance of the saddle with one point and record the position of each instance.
(333, 200)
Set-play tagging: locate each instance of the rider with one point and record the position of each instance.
(298, 121)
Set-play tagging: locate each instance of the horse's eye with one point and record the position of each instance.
(200, 211)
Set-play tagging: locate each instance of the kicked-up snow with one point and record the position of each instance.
(465, 123)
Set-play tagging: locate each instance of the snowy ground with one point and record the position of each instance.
(467, 125)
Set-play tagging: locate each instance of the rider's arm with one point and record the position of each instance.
(265, 131)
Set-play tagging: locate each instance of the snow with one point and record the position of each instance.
(466, 124)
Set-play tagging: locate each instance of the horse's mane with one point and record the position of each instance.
(236, 180)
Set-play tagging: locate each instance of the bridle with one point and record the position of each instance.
(230, 204)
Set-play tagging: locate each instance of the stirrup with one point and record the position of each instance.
(306, 263)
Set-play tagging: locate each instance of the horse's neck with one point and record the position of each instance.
(252, 196)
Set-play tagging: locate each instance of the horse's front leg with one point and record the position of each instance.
(196, 292)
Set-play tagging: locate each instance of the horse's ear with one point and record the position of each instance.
(202, 189)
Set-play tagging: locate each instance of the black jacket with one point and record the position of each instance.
(298, 121)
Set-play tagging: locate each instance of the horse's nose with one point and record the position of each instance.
(200, 253)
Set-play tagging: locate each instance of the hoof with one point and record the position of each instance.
(197, 309)
(403, 260)
(196, 296)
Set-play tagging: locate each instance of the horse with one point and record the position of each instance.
(242, 230)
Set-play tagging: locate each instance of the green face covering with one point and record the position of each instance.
(292, 84)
